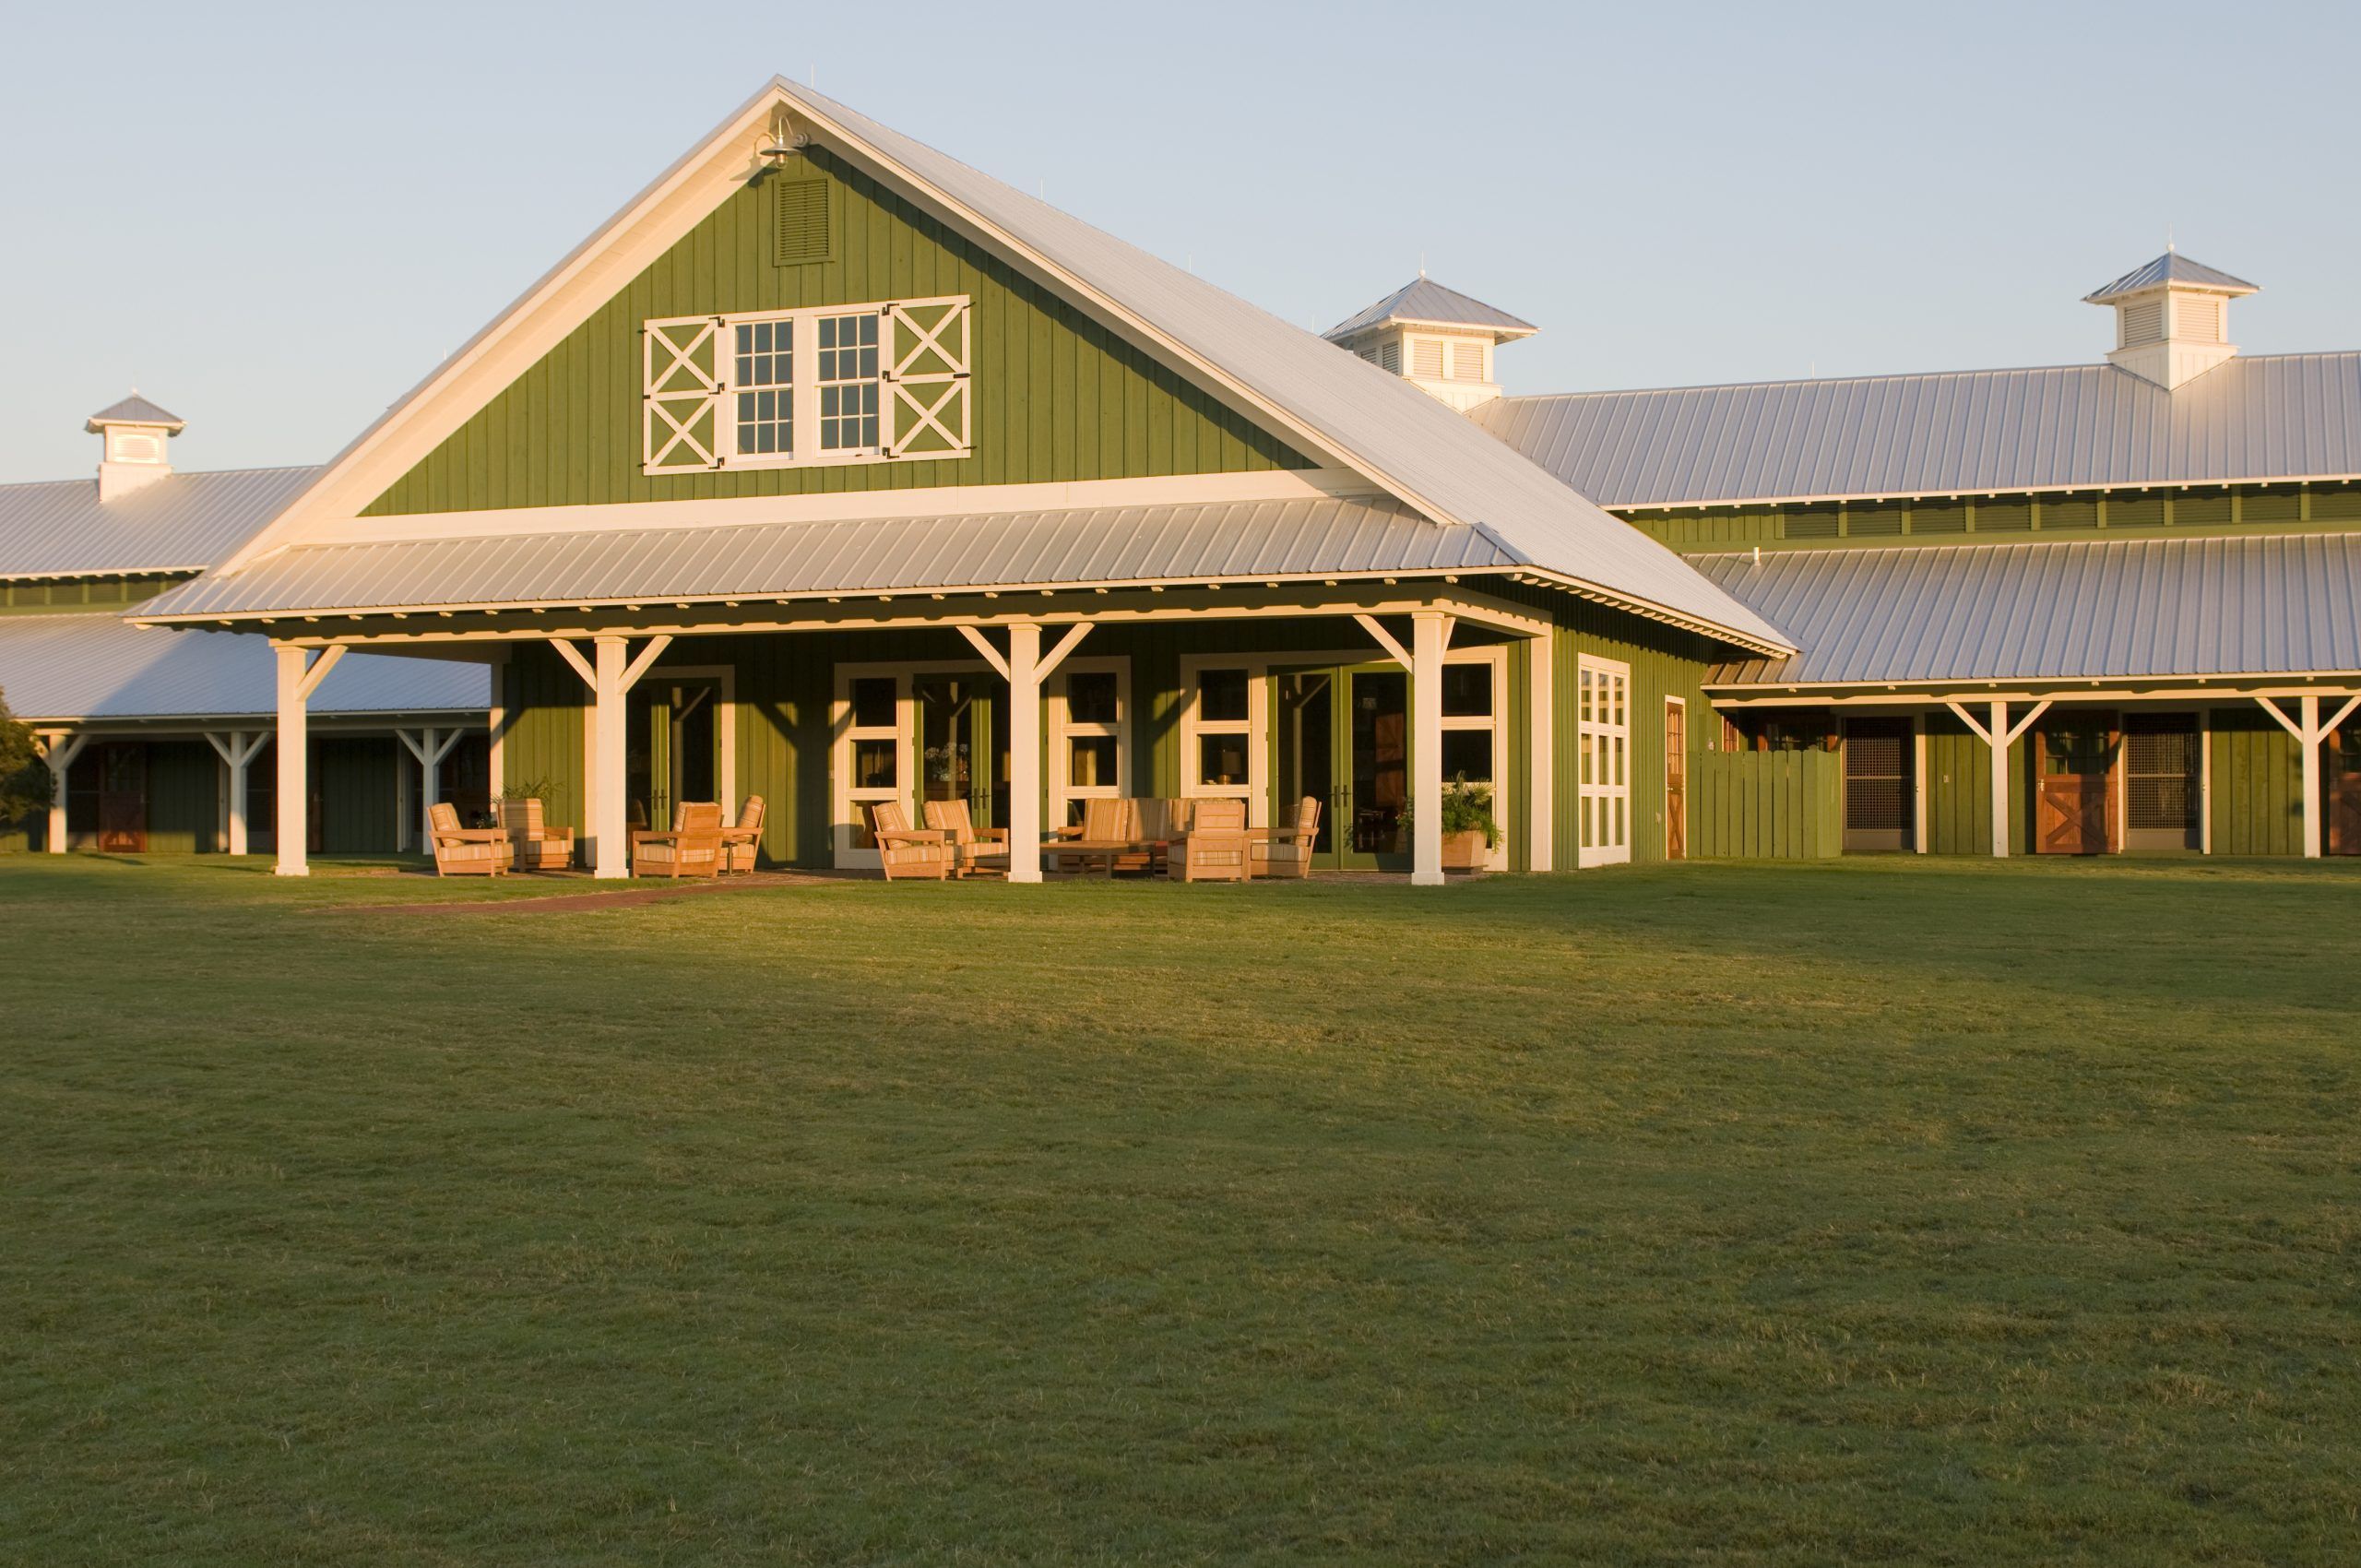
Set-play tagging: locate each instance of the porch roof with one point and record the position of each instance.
(66, 668)
(2093, 609)
(1099, 546)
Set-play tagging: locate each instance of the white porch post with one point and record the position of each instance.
(2311, 737)
(1998, 738)
(59, 752)
(237, 752)
(300, 671)
(608, 846)
(429, 750)
(1429, 636)
(1025, 751)
(1541, 852)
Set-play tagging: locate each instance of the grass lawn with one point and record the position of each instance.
(1870, 1212)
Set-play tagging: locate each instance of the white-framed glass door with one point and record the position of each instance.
(1090, 712)
(873, 756)
(1603, 734)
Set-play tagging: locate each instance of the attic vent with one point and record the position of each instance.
(2198, 317)
(2143, 323)
(1389, 357)
(1370, 355)
(1426, 358)
(799, 221)
(1468, 361)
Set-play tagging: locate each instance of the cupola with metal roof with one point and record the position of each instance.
(133, 430)
(1437, 339)
(2171, 318)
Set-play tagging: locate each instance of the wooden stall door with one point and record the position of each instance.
(2075, 809)
(123, 800)
(2341, 779)
(1676, 779)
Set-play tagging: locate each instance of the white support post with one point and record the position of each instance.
(59, 749)
(1429, 636)
(2310, 731)
(1919, 783)
(237, 752)
(429, 751)
(1542, 776)
(1025, 751)
(607, 843)
(1998, 735)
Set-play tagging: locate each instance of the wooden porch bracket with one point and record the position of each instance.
(58, 749)
(2311, 732)
(1999, 734)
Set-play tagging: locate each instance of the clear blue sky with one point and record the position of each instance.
(277, 219)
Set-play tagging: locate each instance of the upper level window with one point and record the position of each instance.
(797, 387)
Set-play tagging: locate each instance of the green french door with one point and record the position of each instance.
(962, 744)
(673, 748)
(1341, 733)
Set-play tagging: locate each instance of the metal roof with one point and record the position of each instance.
(179, 523)
(81, 667)
(1380, 426)
(2173, 268)
(2249, 420)
(1424, 300)
(2091, 610)
(135, 409)
(1214, 541)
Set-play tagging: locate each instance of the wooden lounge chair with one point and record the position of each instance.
(742, 845)
(1214, 847)
(1105, 821)
(975, 851)
(907, 852)
(465, 851)
(533, 843)
(1285, 851)
(693, 848)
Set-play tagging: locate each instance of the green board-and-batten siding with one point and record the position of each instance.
(1766, 805)
(1056, 396)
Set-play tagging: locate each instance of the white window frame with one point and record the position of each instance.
(1064, 729)
(1256, 793)
(846, 799)
(924, 396)
(1603, 761)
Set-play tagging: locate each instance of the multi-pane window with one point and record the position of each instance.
(1087, 719)
(765, 386)
(1223, 725)
(1603, 735)
(1468, 723)
(847, 382)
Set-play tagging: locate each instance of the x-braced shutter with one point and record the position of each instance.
(682, 417)
(931, 401)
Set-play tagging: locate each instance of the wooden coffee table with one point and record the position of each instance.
(1107, 851)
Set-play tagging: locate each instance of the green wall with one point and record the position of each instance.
(1056, 396)
(183, 797)
(1766, 805)
(358, 784)
(2258, 784)
(66, 596)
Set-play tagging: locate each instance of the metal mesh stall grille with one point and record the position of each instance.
(2160, 772)
(1876, 778)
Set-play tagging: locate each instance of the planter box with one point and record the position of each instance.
(1464, 852)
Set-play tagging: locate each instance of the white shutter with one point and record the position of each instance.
(1426, 358)
(931, 402)
(681, 402)
(1467, 359)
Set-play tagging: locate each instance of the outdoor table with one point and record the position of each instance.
(1105, 851)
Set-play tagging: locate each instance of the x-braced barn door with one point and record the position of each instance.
(2075, 815)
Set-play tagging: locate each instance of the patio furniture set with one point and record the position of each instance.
(1183, 840)
(699, 842)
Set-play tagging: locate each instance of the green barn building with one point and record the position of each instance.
(833, 470)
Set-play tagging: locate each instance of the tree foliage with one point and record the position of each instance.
(25, 782)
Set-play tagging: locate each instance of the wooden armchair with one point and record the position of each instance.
(1214, 847)
(1285, 851)
(465, 851)
(1103, 821)
(742, 845)
(533, 844)
(907, 852)
(693, 848)
(975, 851)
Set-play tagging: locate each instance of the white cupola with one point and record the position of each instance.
(133, 459)
(2171, 318)
(1437, 338)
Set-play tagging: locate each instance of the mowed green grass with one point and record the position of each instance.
(1871, 1212)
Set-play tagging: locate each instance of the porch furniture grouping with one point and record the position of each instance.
(909, 852)
(977, 851)
(533, 844)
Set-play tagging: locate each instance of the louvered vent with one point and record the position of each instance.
(1389, 357)
(2143, 323)
(1370, 355)
(1426, 358)
(2198, 317)
(1467, 361)
(799, 221)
